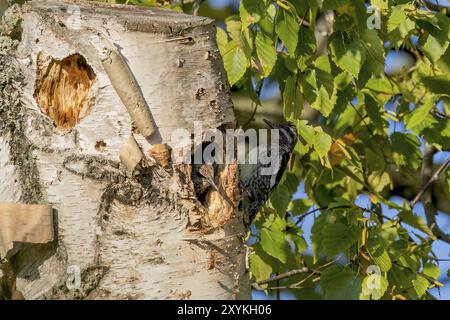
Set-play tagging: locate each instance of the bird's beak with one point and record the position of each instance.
(270, 124)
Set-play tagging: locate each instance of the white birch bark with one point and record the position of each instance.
(139, 236)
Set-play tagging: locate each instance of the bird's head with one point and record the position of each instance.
(288, 131)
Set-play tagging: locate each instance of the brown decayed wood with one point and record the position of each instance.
(219, 210)
(62, 89)
(161, 154)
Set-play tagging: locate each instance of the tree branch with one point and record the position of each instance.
(433, 178)
(258, 93)
(426, 193)
(289, 274)
(284, 275)
(297, 285)
(196, 7)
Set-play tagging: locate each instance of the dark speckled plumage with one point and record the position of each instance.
(257, 186)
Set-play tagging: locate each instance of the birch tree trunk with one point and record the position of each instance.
(124, 210)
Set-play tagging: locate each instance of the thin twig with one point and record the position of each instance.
(303, 216)
(366, 125)
(433, 178)
(297, 285)
(295, 272)
(426, 194)
(258, 92)
(299, 219)
(196, 7)
(284, 275)
(303, 22)
(251, 116)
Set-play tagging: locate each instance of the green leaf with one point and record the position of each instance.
(436, 40)
(274, 222)
(399, 25)
(437, 84)
(406, 150)
(337, 238)
(280, 199)
(234, 29)
(318, 86)
(333, 4)
(340, 283)
(235, 63)
(324, 102)
(267, 53)
(374, 111)
(382, 4)
(359, 14)
(324, 78)
(434, 47)
(275, 244)
(420, 285)
(375, 56)
(291, 180)
(306, 133)
(415, 221)
(306, 48)
(322, 143)
(292, 98)
(431, 270)
(379, 254)
(378, 180)
(259, 268)
(222, 40)
(420, 118)
(381, 86)
(355, 176)
(316, 236)
(299, 242)
(349, 57)
(342, 80)
(251, 11)
(410, 262)
(299, 206)
(234, 52)
(287, 29)
(438, 134)
(400, 277)
(374, 286)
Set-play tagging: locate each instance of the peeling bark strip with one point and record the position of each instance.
(131, 236)
(131, 154)
(127, 88)
(24, 223)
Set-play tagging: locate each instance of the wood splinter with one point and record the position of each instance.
(131, 154)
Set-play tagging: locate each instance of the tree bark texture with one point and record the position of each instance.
(87, 116)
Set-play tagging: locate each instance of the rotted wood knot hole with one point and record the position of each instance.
(64, 89)
(100, 146)
(200, 93)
